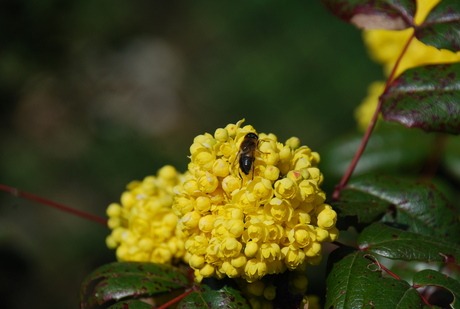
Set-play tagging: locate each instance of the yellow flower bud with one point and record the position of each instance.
(255, 270)
(114, 210)
(190, 220)
(221, 135)
(207, 270)
(220, 168)
(239, 261)
(203, 204)
(196, 261)
(251, 249)
(285, 188)
(206, 223)
(327, 218)
(293, 142)
(208, 183)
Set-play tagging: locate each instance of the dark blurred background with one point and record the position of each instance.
(95, 94)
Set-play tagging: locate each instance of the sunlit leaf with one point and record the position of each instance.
(356, 282)
(441, 28)
(432, 277)
(397, 244)
(419, 207)
(122, 280)
(425, 97)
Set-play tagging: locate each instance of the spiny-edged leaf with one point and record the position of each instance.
(120, 280)
(397, 244)
(420, 207)
(225, 297)
(441, 28)
(356, 282)
(425, 97)
(131, 304)
(432, 277)
(391, 149)
(374, 14)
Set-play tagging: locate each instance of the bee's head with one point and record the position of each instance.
(252, 136)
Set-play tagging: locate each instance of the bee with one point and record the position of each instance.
(246, 153)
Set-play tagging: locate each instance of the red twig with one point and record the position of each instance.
(370, 128)
(375, 262)
(50, 203)
(175, 300)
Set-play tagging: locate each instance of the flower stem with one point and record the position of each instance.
(343, 182)
(50, 203)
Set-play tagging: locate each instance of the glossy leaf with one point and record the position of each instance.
(419, 207)
(369, 14)
(425, 97)
(122, 280)
(356, 282)
(432, 277)
(397, 244)
(225, 297)
(441, 28)
(131, 304)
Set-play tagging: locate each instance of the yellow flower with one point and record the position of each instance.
(251, 222)
(385, 46)
(144, 226)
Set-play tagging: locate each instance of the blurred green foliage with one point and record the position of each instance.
(98, 93)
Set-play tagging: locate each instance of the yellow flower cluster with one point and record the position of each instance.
(248, 226)
(385, 46)
(144, 226)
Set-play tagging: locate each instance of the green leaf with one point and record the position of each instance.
(432, 277)
(225, 297)
(441, 28)
(356, 282)
(122, 280)
(425, 97)
(369, 14)
(420, 207)
(131, 304)
(397, 244)
(391, 149)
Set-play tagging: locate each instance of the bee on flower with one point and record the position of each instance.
(269, 218)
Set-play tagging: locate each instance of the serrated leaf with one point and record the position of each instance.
(425, 97)
(355, 282)
(121, 280)
(432, 277)
(368, 14)
(131, 304)
(206, 297)
(441, 28)
(420, 207)
(397, 244)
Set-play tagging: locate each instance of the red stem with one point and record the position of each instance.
(175, 300)
(50, 203)
(370, 128)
